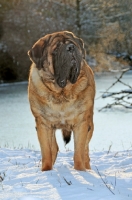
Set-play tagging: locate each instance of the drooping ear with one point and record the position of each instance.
(37, 54)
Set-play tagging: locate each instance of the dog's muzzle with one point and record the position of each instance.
(67, 64)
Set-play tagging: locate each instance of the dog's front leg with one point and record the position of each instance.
(89, 136)
(45, 139)
(80, 137)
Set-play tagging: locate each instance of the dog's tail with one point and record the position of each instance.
(66, 136)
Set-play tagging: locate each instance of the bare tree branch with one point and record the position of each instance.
(104, 182)
(115, 93)
(118, 79)
(118, 99)
(68, 183)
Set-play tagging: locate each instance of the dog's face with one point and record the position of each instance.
(61, 54)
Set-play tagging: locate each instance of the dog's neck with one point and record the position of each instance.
(49, 82)
(50, 89)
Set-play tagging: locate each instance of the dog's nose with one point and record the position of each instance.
(61, 83)
(70, 47)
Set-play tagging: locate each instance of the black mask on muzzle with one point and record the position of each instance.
(66, 62)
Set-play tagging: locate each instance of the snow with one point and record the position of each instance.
(110, 153)
(110, 177)
(21, 177)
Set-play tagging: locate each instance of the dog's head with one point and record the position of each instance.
(61, 54)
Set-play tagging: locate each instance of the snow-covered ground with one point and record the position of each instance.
(111, 153)
(21, 178)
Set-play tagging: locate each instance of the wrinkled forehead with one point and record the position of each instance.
(61, 38)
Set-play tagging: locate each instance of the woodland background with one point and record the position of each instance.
(104, 25)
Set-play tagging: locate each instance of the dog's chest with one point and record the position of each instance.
(62, 114)
(62, 111)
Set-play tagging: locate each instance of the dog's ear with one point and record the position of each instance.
(37, 53)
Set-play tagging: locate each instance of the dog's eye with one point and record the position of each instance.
(70, 47)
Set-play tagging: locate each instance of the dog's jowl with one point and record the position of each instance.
(61, 94)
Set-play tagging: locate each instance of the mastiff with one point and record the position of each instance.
(61, 93)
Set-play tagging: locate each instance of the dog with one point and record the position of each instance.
(61, 93)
